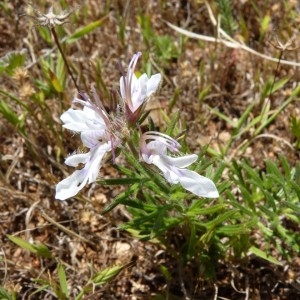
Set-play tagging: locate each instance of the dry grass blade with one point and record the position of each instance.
(67, 231)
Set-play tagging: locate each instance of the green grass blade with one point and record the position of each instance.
(78, 34)
(63, 280)
(264, 255)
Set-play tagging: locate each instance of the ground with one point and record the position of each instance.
(203, 76)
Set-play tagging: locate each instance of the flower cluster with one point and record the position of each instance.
(102, 133)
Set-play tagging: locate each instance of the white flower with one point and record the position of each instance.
(135, 91)
(95, 128)
(71, 185)
(51, 19)
(174, 168)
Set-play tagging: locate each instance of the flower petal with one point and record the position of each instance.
(95, 161)
(156, 147)
(122, 88)
(182, 161)
(153, 84)
(173, 168)
(160, 162)
(91, 138)
(138, 91)
(81, 120)
(197, 184)
(70, 186)
(76, 159)
(74, 119)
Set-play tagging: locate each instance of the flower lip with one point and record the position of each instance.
(92, 160)
(174, 168)
(169, 142)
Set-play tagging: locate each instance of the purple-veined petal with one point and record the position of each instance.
(156, 147)
(160, 142)
(90, 138)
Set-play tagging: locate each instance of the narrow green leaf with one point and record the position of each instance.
(8, 113)
(237, 229)
(285, 165)
(172, 125)
(264, 255)
(45, 33)
(159, 224)
(220, 218)
(165, 273)
(280, 84)
(243, 119)
(267, 211)
(5, 295)
(265, 22)
(120, 181)
(38, 249)
(63, 280)
(42, 250)
(135, 163)
(287, 236)
(125, 171)
(265, 230)
(248, 198)
(253, 174)
(23, 244)
(240, 206)
(106, 275)
(85, 30)
(224, 117)
(121, 198)
(194, 210)
(55, 82)
(294, 94)
(61, 71)
(274, 170)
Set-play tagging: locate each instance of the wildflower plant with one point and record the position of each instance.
(195, 223)
(102, 133)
